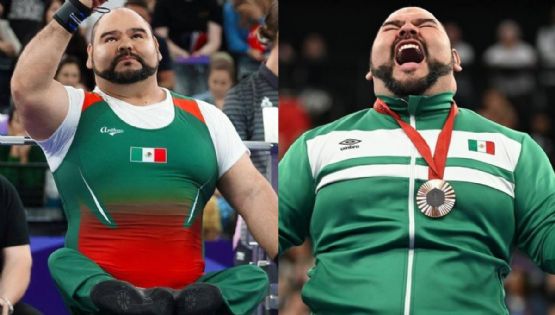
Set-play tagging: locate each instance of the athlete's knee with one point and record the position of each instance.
(256, 274)
(56, 258)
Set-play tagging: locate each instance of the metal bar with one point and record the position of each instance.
(11, 140)
(259, 145)
(252, 145)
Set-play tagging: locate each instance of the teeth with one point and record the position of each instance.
(405, 46)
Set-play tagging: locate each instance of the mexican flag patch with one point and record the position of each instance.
(149, 155)
(481, 146)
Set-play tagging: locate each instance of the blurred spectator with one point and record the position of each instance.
(165, 75)
(241, 21)
(466, 93)
(26, 18)
(252, 107)
(192, 29)
(77, 47)
(520, 297)
(220, 80)
(211, 222)
(312, 66)
(69, 72)
(287, 63)
(252, 104)
(221, 76)
(496, 107)
(17, 153)
(541, 131)
(293, 121)
(10, 48)
(294, 268)
(546, 49)
(312, 76)
(15, 253)
(23, 165)
(511, 63)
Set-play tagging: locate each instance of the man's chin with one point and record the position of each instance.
(409, 78)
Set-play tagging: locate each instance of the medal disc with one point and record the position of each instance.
(435, 198)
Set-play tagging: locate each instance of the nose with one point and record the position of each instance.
(125, 45)
(408, 30)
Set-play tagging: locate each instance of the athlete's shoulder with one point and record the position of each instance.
(188, 105)
(176, 95)
(470, 120)
(361, 119)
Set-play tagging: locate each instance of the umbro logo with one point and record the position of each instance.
(350, 144)
(110, 131)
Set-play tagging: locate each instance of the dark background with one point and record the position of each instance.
(349, 28)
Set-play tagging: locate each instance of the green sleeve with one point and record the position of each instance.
(296, 196)
(535, 205)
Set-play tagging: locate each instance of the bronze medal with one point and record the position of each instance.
(435, 198)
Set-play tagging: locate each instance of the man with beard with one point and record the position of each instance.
(135, 165)
(415, 206)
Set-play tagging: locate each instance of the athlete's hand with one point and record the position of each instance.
(92, 3)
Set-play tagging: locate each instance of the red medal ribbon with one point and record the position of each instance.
(437, 161)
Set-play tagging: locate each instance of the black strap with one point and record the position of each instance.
(71, 14)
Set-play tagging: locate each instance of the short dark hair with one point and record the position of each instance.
(68, 60)
(222, 61)
(271, 26)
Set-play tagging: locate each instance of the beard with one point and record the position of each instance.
(127, 76)
(414, 86)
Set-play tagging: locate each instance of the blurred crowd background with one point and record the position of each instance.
(508, 58)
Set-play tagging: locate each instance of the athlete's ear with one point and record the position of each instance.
(456, 60)
(157, 48)
(89, 56)
(369, 75)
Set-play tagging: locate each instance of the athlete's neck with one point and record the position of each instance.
(272, 62)
(141, 93)
(419, 104)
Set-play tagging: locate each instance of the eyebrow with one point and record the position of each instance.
(400, 23)
(132, 30)
(107, 34)
(138, 29)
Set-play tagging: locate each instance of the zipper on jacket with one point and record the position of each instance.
(410, 257)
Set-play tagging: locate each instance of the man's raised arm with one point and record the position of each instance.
(42, 101)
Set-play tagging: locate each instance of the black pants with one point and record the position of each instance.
(24, 309)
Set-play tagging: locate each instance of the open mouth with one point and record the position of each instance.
(409, 51)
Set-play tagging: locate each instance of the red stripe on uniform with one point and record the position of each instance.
(160, 155)
(490, 147)
(90, 98)
(190, 107)
(148, 250)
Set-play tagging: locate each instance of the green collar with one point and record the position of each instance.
(419, 104)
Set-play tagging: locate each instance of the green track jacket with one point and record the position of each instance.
(350, 186)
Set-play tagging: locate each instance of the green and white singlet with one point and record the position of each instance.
(350, 186)
(134, 181)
